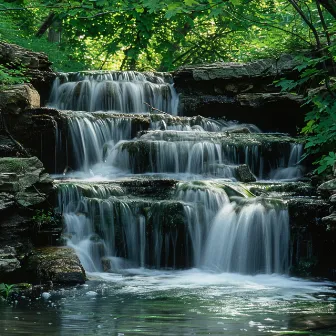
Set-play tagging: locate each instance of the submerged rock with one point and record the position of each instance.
(57, 264)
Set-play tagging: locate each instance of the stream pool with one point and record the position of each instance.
(190, 302)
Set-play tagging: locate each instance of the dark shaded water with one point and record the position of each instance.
(193, 302)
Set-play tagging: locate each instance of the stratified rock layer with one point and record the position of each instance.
(243, 92)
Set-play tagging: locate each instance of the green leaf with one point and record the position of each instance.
(190, 2)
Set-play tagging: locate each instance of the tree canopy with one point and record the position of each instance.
(162, 35)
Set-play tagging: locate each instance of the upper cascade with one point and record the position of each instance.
(121, 91)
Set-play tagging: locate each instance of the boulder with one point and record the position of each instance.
(16, 98)
(304, 212)
(332, 199)
(8, 261)
(327, 189)
(244, 174)
(330, 220)
(57, 264)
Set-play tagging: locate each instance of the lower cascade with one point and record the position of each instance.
(197, 227)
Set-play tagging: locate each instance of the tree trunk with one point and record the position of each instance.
(54, 34)
(330, 6)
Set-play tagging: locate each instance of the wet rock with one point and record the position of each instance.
(18, 174)
(57, 264)
(306, 211)
(257, 100)
(242, 91)
(17, 98)
(106, 264)
(330, 220)
(243, 130)
(250, 108)
(244, 174)
(332, 199)
(8, 261)
(6, 201)
(29, 199)
(327, 189)
(283, 189)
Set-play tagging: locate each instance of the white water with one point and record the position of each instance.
(216, 234)
(247, 240)
(113, 91)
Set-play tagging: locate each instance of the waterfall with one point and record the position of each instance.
(203, 218)
(91, 137)
(248, 240)
(293, 169)
(113, 91)
(207, 154)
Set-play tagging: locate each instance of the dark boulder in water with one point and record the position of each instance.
(57, 264)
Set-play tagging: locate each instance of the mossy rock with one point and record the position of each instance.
(57, 264)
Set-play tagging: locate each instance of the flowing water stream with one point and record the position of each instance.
(171, 242)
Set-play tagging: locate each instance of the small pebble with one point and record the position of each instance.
(91, 293)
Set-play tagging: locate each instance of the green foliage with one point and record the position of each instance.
(6, 290)
(11, 75)
(155, 34)
(320, 128)
(43, 217)
(20, 28)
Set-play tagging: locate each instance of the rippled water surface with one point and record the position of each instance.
(193, 302)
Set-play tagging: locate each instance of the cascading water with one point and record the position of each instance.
(113, 91)
(131, 220)
(91, 137)
(248, 239)
(202, 153)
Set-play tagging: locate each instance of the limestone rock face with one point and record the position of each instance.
(229, 70)
(18, 174)
(327, 189)
(17, 98)
(242, 91)
(11, 53)
(269, 110)
(57, 264)
(36, 66)
(23, 186)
